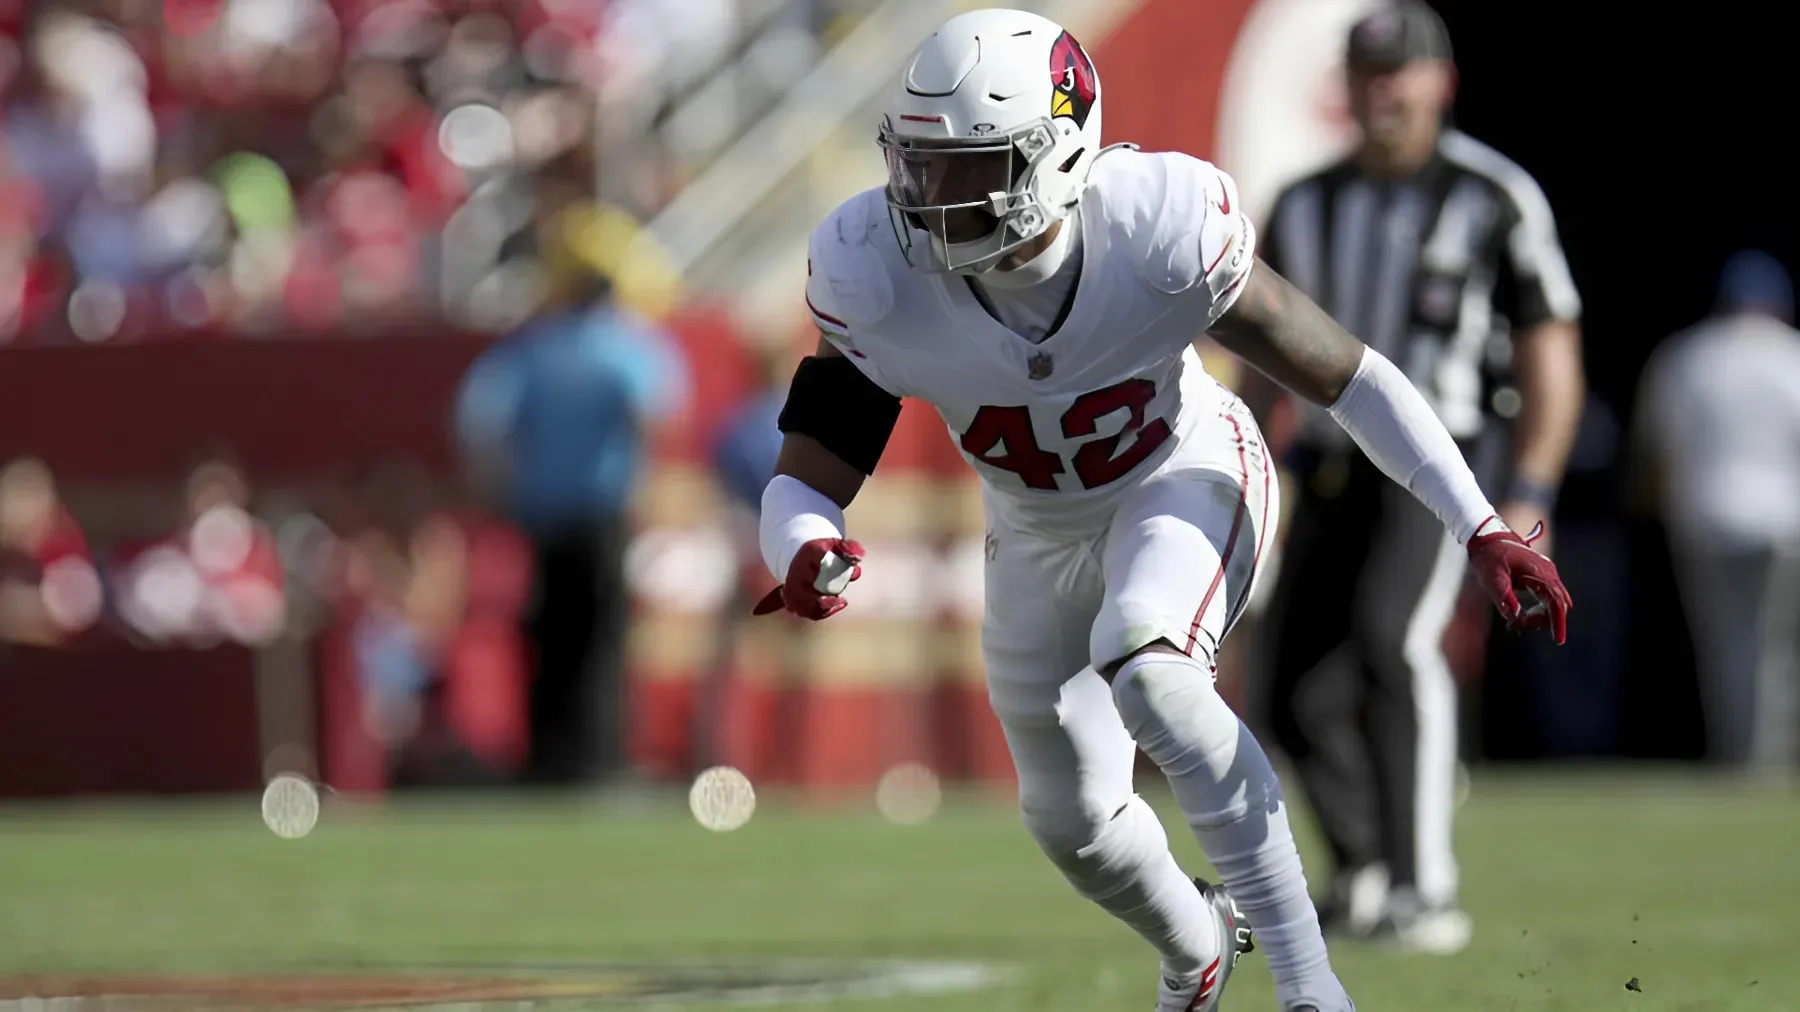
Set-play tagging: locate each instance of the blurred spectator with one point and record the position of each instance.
(49, 589)
(231, 166)
(47, 119)
(409, 571)
(1718, 432)
(486, 677)
(325, 162)
(1443, 255)
(553, 422)
(25, 275)
(218, 578)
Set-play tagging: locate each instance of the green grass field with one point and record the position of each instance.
(1577, 883)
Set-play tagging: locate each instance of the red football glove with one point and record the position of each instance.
(1510, 569)
(815, 580)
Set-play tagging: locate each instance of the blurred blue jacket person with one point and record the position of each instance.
(554, 416)
(553, 421)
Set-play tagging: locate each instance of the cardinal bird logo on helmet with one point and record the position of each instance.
(1072, 77)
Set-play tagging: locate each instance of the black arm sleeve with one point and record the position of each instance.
(832, 401)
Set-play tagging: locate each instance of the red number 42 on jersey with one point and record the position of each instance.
(1002, 437)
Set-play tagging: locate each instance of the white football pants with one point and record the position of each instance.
(1177, 562)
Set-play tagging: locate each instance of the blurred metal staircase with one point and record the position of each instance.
(738, 231)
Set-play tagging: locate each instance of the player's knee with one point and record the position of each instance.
(1091, 847)
(1159, 678)
(1172, 708)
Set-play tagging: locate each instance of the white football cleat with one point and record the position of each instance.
(1356, 902)
(1412, 926)
(1200, 993)
(1435, 932)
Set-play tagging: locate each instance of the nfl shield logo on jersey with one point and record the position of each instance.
(1039, 366)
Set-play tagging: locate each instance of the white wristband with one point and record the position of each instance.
(794, 513)
(1391, 421)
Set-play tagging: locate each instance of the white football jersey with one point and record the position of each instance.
(1055, 428)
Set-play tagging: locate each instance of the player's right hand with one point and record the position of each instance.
(816, 580)
(1523, 585)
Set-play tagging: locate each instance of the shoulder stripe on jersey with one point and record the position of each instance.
(1535, 242)
(826, 320)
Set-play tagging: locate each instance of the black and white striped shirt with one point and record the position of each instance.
(1435, 271)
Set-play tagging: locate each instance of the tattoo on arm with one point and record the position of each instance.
(1285, 335)
(805, 458)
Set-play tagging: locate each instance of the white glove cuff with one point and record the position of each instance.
(1391, 421)
(1492, 525)
(794, 513)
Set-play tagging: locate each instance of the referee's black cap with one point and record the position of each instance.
(1396, 35)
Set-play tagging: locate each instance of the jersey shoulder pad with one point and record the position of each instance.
(848, 282)
(1181, 220)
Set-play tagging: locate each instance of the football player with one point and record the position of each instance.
(1042, 292)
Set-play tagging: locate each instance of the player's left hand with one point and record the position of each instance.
(1510, 570)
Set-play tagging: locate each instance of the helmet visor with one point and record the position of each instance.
(955, 193)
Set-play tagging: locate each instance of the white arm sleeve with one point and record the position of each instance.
(1393, 424)
(794, 513)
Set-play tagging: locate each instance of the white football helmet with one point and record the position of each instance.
(990, 140)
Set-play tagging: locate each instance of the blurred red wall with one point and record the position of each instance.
(287, 408)
(1163, 68)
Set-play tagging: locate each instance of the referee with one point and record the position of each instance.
(1443, 255)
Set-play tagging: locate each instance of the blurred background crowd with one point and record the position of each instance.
(293, 170)
(386, 387)
(252, 165)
